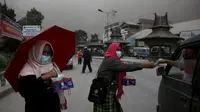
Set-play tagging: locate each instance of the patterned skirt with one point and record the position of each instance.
(111, 104)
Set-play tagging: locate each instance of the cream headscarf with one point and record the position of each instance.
(35, 67)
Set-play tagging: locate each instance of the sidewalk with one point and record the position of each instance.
(5, 88)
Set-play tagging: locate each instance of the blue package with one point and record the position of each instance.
(65, 83)
(129, 82)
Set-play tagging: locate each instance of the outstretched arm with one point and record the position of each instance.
(118, 66)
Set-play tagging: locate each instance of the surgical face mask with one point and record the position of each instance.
(119, 54)
(45, 59)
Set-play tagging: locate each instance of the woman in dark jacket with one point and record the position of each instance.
(113, 69)
(35, 84)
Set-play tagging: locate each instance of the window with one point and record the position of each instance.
(154, 49)
(165, 49)
(185, 64)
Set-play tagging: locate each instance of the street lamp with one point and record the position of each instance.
(113, 12)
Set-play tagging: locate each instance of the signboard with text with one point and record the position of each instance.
(9, 28)
(31, 30)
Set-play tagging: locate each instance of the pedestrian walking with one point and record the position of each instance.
(112, 70)
(35, 83)
(87, 60)
(80, 54)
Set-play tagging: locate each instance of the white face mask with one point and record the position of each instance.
(119, 54)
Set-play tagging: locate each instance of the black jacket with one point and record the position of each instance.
(110, 67)
(39, 95)
(87, 57)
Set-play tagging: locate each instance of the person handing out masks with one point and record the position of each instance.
(113, 69)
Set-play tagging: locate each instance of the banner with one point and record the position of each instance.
(31, 30)
(10, 28)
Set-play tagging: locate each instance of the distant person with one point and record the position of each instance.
(80, 54)
(113, 70)
(35, 81)
(87, 60)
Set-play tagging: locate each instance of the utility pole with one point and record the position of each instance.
(113, 12)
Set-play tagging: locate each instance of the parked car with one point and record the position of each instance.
(70, 64)
(141, 52)
(176, 93)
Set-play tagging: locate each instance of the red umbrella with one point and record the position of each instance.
(63, 42)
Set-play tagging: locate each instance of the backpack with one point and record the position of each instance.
(98, 90)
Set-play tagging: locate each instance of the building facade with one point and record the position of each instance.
(145, 23)
(187, 29)
(127, 29)
(107, 32)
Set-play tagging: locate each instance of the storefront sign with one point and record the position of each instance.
(10, 28)
(31, 30)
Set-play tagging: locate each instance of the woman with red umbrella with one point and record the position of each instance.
(35, 83)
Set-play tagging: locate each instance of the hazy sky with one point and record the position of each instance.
(83, 14)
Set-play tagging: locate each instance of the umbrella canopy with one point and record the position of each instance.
(63, 42)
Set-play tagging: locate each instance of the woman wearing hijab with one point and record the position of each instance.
(35, 81)
(113, 69)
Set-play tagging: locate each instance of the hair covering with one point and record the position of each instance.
(35, 67)
(111, 52)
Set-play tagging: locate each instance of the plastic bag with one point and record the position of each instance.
(62, 83)
(129, 81)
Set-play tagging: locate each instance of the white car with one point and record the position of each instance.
(70, 64)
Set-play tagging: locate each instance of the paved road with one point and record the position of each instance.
(141, 98)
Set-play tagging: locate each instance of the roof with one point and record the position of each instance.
(113, 25)
(130, 23)
(95, 44)
(140, 34)
(162, 34)
(145, 21)
(185, 26)
(191, 40)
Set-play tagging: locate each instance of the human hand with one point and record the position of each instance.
(49, 75)
(148, 65)
(161, 61)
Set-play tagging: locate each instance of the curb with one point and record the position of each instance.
(98, 57)
(6, 91)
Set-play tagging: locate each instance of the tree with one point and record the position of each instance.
(11, 14)
(81, 35)
(33, 17)
(94, 36)
(8, 11)
(22, 21)
(4, 9)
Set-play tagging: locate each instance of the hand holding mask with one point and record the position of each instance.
(160, 61)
